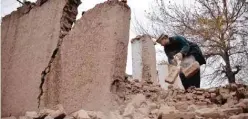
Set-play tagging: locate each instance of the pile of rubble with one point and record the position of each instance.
(230, 101)
(147, 101)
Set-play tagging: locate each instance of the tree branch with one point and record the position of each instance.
(238, 68)
(20, 2)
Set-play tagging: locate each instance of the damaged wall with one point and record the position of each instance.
(92, 56)
(144, 59)
(28, 40)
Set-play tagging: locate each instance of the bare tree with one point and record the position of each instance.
(218, 26)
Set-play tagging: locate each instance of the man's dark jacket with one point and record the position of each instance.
(180, 44)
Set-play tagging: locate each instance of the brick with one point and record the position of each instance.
(191, 70)
(232, 111)
(81, 114)
(11, 117)
(240, 116)
(209, 113)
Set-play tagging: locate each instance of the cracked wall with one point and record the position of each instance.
(29, 36)
(92, 56)
(144, 59)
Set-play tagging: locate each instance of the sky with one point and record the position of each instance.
(138, 8)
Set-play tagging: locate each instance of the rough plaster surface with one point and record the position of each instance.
(144, 59)
(27, 44)
(92, 56)
(162, 74)
(137, 60)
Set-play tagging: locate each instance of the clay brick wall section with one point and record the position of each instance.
(28, 41)
(92, 56)
(144, 59)
(149, 59)
(163, 71)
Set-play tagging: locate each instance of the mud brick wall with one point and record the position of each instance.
(163, 71)
(144, 59)
(93, 55)
(29, 36)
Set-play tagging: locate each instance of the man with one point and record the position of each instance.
(178, 47)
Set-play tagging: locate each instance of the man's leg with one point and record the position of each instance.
(195, 80)
(192, 81)
(184, 81)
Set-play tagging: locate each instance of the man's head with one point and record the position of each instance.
(163, 39)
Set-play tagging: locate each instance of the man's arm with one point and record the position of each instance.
(169, 56)
(184, 43)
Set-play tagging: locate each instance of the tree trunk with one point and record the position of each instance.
(229, 73)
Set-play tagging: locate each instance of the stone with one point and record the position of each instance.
(207, 100)
(11, 117)
(152, 106)
(49, 117)
(199, 92)
(213, 95)
(209, 113)
(180, 97)
(212, 90)
(96, 114)
(240, 116)
(138, 100)
(207, 95)
(199, 117)
(69, 117)
(189, 96)
(45, 112)
(200, 97)
(224, 92)
(24, 117)
(200, 89)
(192, 108)
(232, 111)
(178, 115)
(81, 114)
(144, 110)
(155, 111)
(129, 110)
(31, 114)
(138, 85)
(243, 104)
(201, 103)
(59, 113)
(115, 115)
(164, 109)
(233, 87)
(138, 115)
(164, 94)
(181, 106)
(245, 101)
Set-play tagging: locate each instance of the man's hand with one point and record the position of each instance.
(178, 56)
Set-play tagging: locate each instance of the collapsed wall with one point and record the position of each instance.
(92, 59)
(148, 101)
(29, 36)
